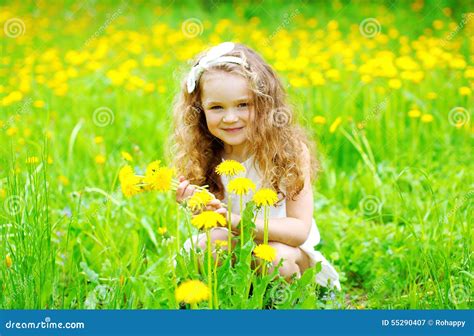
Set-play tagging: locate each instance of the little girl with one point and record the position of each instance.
(233, 106)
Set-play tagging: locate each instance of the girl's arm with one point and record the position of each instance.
(294, 229)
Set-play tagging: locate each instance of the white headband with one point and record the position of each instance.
(213, 57)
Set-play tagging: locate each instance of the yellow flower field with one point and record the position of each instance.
(88, 215)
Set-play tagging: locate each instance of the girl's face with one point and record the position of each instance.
(227, 103)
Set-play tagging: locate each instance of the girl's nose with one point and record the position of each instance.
(230, 116)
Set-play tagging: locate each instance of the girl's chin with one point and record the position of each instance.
(233, 141)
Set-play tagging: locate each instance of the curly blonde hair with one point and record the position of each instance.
(277, 142)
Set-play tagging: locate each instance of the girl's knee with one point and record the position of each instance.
(287, 256)
(216, 234)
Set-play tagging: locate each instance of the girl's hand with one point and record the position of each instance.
(185, 189)
(214, 205)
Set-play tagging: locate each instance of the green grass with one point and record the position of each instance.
(393, 201)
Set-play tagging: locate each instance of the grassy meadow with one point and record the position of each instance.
(384, 89)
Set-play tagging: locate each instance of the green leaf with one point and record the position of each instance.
(247, 220)
(145, 223)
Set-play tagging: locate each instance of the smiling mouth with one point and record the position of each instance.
(233, 130)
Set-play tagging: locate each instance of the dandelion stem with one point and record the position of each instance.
(241, 225)
(209, 271)
(229, 225)
(177, 228)
(265, 225)
(265, 235)
(216, 301)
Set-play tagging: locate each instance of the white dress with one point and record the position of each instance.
(328, 275)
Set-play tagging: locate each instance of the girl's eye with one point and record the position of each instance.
(242, 105)
(216, 107)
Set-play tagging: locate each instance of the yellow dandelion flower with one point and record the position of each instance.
(192, 292)
(130, 186)
(125, 172)
(162, 230)
(126, 156)
(335, 125)
(415, 113)
(240, 186)
(158, 178)
(230, 168)
(426, 118)
(50, 160)
(98, 140)
(395, 83)
(63, 180)
(99, 159)
(27, 132)
(469, 73)
(32, 160)
(432, 95)
(153, 167)
(265, 197)
(366, 79)
(438, 24)
(265, 252)
(199, 199)
(11, 131)
(220, 243)
(319, 120)
(38, 103)
(464, 91)
(8, 261)
(207, 220)
(129, 182)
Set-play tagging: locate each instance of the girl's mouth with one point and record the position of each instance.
(233, 130)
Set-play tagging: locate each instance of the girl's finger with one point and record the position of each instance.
(180, 190)
(182, 186)
(222, 211)
(212, 207)
(189, 190)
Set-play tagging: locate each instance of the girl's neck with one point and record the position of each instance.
(237, 153)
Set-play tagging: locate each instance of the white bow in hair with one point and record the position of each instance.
(213, 57)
